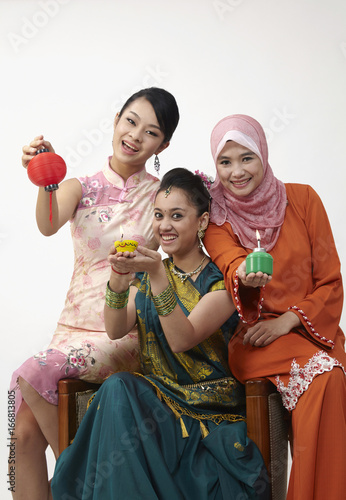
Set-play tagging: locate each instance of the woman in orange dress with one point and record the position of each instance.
(289, 322)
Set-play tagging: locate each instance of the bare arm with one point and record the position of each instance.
(211, 312)
(118, 322)
(64, 201)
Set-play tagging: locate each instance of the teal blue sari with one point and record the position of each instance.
(177, 430)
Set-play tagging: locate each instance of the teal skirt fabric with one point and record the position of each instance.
(130, 446)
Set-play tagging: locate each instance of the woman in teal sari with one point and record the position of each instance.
(177, 430)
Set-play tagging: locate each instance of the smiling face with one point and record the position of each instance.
(137, 136)
(239, 169)
(176, 223)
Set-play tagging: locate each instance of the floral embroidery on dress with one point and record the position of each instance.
(95, 184)
(87, 202)
(301, 378)
(91, 213)
(94, 243)
(135, 214)
(78, 358)
(42, 357)
(50, 396)
(104, 216)
(94, 192)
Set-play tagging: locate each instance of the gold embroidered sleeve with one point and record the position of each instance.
(219, 285)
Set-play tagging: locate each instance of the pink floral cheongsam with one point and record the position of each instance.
(80, 346)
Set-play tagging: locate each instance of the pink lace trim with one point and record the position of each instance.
(309, 324)
(301, 378)
(238, 303)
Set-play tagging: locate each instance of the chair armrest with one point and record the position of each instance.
(267, 426)
(67, 413)
(257, 414)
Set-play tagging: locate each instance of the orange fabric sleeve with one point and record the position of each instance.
(320, 311)
(224, 249)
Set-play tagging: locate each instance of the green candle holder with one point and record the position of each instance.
(259, 261)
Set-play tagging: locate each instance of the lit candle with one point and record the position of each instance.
(258, 236)
(259, 260)
(125, 245)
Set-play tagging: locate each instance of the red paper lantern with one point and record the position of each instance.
(46, 170)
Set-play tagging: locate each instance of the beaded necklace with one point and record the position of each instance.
(183, 276)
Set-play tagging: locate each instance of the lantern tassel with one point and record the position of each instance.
(50, 208)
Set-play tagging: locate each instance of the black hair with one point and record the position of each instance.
(165, 107)
(192, 184)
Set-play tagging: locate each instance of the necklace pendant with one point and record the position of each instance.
(183, 276)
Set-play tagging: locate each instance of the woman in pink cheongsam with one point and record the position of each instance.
(121, 194)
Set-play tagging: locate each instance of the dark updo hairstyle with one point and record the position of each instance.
(191, 184)
(165, 107)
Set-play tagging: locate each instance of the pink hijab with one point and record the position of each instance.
(263, 209)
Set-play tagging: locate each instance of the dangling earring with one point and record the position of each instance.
(200, 234)
(157, 164)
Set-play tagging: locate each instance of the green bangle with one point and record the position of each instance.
(116, 300)
(165, 302)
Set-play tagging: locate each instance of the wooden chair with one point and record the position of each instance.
(73, 399)
(267, 423)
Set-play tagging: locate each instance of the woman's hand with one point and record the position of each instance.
(265, 332)
(252, 279)
(30, 151)
(142, 259)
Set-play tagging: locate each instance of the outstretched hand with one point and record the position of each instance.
(142, 259)
(30, 151)
(252, 279)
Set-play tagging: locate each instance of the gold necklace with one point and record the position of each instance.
(183, 276)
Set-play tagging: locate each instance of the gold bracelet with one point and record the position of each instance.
(165, 302)
(116, 300)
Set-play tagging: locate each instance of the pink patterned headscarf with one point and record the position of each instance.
(264, 208)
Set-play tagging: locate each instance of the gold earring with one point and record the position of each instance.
(200, 234)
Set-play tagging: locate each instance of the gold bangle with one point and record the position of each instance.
(116, 300)
(165, 302)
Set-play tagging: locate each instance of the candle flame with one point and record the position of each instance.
(258, 236)
(121, 232)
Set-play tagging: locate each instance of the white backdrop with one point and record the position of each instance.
(67, 67)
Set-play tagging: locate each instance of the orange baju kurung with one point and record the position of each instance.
(307, 281)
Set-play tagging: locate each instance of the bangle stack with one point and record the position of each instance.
(165, 302)
(116, 300)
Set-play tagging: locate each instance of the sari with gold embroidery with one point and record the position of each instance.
(174, 432)
(197, 382)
